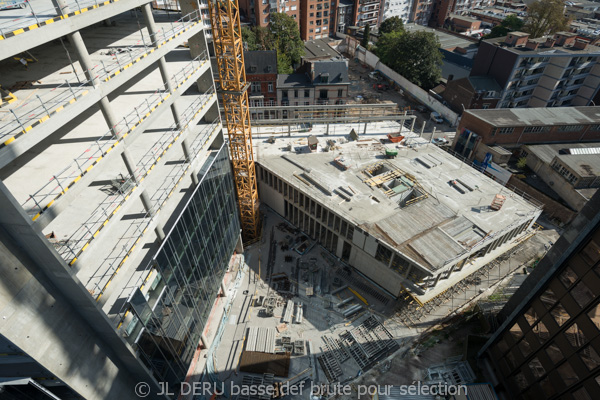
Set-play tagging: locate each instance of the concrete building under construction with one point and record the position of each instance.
(414, 219)
(118, 217)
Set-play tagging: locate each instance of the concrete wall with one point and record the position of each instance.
(370, 59)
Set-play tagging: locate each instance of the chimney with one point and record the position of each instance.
(549, 42)
(564, 39)
(532, 44)
(516, 39)
(580, 44)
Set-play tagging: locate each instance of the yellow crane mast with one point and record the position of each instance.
(229, 52)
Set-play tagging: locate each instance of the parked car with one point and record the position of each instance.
(7, 4)
(439, 141)
(436, 117)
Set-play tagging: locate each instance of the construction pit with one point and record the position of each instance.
(301, 319)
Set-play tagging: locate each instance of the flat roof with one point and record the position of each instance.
(538, 116)
(319, 48)
(542, 50)
(293, 80)
(447, 40)
(585, 165)
(442, 223)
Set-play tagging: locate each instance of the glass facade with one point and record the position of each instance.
(190, 266)
(551, 351)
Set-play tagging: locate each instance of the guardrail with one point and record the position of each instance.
(61, 182)
(69, 92)
(71, 249)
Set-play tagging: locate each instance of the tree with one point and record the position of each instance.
(284, 36)
(545, 17)
(281, 35)
(366, 36)
(414, 55)
(393, 24)
(510, 23)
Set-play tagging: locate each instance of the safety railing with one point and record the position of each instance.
(136, 230)
(29, 113)
(42, 199)
(71, 249)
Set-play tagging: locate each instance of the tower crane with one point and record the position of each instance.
(229, 52)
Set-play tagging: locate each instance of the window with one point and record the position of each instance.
(341, 93)
(567, 374)
(570, 128)
(322, 94)
(270, 85)
(284, 94)
(595, 128)
(503, 131)
(560, 314)
(582, 294)
(255, 87)
(590, 357)
(306, 93)
(594, 315)
(575, 336)
(568, 277)
(536, 129)
(554, 353)
(312, 14)
(294, 8)
(485, 106)
(296, 93)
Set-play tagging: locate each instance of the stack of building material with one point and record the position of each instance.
(287, 316)
(261, 340)
(299, 312)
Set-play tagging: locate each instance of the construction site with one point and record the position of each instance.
(303, 315)
(148, 236)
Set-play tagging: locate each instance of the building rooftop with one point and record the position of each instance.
(335, 71)
(293, 80)
(543, 50)
(447, 41)
(260, 62)
(407, 202)
(538, 116)
(583, 158)
(319, 49)
(463, 18)
(484, 83)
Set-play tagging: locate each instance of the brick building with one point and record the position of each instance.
(472, 92)
(261, 73)
(317, 18)
(548, 343)
(511, 128)
(259, 11)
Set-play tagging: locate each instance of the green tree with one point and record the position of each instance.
(249, 38)
(284, 36)
(513, 23)
(414, 55)
(545, 17)
(366, 36)
(393, 24)
(510, 23)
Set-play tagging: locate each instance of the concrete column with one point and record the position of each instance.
(87, 65)
(223, 290)
(195, 180)
(422, 129)
(162, 64)
(365, 131)
(147, 203)
(129, 164)
(186, 150)
(160, 233)
(61, 6)
(412, 126)
(327, 132)
(239, 246)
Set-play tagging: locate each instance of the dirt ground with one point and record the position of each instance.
(362, 85)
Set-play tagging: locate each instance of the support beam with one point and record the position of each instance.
(129, 164)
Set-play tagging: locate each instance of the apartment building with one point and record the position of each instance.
(421, 10)
(119, 219)
(548, 342)
(316, 19)
(397, 8)
(555, 71)
(443, 8)
(367, 12)
(344, 13)
(258, 11)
